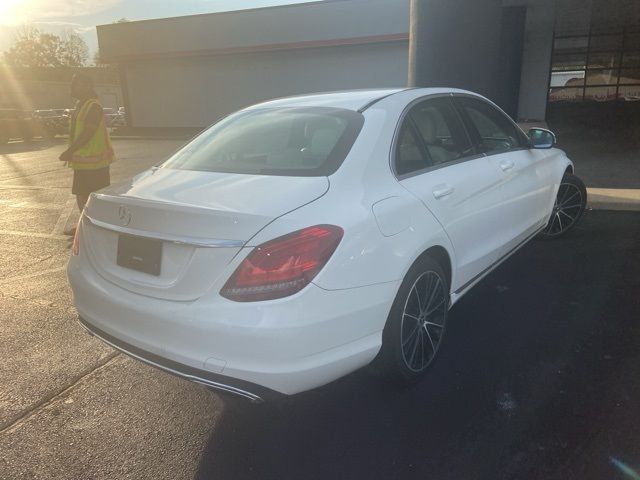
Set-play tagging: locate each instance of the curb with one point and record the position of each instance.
(613, 199)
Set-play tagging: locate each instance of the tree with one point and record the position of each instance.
(74, 51)
(33, 48)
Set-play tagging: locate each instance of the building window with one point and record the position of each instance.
(599, 67)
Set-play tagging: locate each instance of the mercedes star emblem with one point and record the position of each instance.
(125, 215)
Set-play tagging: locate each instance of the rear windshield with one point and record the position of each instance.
(285, 141)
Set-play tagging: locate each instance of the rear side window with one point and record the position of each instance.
(284, 141)
(431, 135)
(410, 156)
(441, 131)
(493, 130)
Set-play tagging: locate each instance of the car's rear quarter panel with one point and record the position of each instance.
(386, 228)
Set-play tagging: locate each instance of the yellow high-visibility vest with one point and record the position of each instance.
(98, 151)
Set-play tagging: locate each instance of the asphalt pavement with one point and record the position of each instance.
(537, 378)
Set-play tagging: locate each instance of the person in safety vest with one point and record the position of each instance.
(90, 151)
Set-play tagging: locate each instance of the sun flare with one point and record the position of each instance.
(11, 12)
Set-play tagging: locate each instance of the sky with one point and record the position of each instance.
(81, 16)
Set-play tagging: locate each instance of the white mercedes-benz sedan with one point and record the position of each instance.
(298, 240)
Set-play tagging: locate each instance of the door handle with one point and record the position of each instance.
(442, 191)
(507, 165)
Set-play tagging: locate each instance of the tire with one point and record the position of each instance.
(416, 326)
(49, 134)
(568, 208)
(27, 136)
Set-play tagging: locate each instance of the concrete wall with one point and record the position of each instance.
(456, 43)
(325, 21)
(573, 17)
(196, 91)
(536, 60)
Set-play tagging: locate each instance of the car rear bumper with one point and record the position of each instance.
(253, 350)
(253, 393)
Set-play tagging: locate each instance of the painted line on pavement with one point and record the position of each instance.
(66, 213)
(48, 236)
(13, 423)
(28, 175)
(26, 205)
(29, 187)
(32, 275)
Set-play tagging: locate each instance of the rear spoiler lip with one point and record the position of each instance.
(178, 239)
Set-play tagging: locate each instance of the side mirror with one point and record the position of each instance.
(542, 138)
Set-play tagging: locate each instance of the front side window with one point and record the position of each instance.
(280, 141)
(494, 130)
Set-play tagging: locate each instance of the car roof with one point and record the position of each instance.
(348, 99)
(357, 100)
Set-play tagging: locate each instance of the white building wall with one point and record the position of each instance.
(196, 91)
(318, 21)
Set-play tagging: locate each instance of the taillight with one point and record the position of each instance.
(75, 249)
(283, 266)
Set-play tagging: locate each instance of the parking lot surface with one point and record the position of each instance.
(538, 374)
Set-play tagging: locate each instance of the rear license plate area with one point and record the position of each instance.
(139, 253)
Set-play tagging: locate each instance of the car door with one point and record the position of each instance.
(505, 145)
(435, 160)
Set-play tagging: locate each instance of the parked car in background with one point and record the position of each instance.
(570, 86)
(49, 113)
(114, 118)
(54, 120)
(122, 119)
(300, 239)
(20, 125)
(68, 112)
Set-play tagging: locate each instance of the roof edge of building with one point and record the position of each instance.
(394, 37)
(223, 12)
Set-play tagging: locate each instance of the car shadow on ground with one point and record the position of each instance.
(519, 388)
(32, 146)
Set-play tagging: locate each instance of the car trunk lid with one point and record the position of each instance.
(191, 223)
